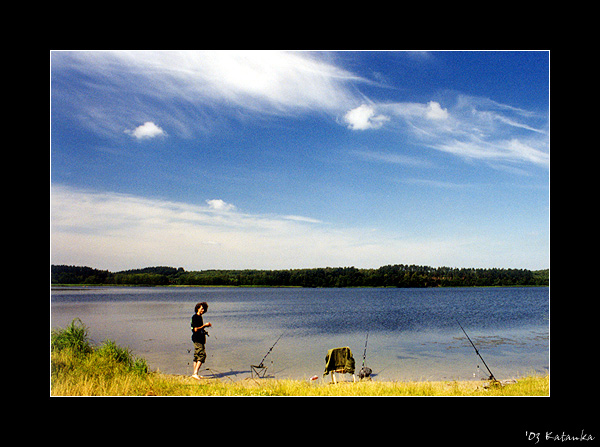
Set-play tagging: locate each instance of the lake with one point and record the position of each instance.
(413, 333)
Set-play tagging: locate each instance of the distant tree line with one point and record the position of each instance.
(387, 276)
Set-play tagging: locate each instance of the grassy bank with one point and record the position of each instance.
(79, 369)
(165, 385)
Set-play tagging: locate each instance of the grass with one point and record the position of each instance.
(80, 369)
(182, 386)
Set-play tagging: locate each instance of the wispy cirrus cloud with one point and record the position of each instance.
(466, 126)
(107, 90)
(112, 92)
(392, 158)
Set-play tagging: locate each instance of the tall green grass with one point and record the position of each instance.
(74, 337)
(80, 369)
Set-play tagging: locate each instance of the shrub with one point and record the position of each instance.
(77, 368)
(73, 337)
(109, 349)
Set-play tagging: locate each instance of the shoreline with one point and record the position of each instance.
(87, 286)
(78, 368)
(171, 385)
(524, 386)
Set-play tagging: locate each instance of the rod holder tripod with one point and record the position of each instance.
(259, 370)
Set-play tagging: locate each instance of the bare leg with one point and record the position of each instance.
(197, 366)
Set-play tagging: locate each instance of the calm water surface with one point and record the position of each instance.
(413, 334)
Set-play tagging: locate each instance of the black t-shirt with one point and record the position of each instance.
(198, 336)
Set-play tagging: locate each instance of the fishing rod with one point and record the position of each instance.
(260, 365)
(477, 352)
(365, 371)
(261, 369)
(365, 353)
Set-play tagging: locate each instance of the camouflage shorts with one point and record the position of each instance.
(199, 352)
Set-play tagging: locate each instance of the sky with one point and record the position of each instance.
(278, 160)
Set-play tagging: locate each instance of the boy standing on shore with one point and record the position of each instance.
(199, 337)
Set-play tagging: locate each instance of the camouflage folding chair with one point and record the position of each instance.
(341, 361)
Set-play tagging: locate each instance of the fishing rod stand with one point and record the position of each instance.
(260, 371)
(493, 382)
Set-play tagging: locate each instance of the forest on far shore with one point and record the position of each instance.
(399, 275)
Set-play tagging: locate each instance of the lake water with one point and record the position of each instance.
(413, 334)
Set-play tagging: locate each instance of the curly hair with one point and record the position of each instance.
(203, 304)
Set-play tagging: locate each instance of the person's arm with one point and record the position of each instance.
(196, 329)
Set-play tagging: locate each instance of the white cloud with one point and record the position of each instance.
(435, 111)
(413, 110)
(124, 86)
(280, 80)
(146, 130)
(302, 219)
(363, 117)
(118, 231)
(183, 89)
(472, 128)
(220, 205)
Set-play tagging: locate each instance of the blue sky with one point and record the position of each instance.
(299, 159)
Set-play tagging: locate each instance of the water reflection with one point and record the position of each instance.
(413, 334)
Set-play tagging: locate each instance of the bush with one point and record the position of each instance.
(73, 337)
(77, 368)
(109, 349)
